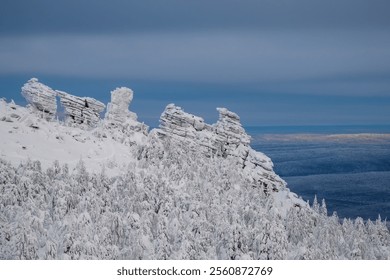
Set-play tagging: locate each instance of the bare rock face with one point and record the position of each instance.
(81, 110)
(226, 138)
(121, 122)
(41, 97)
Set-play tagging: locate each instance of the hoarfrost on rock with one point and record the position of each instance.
(118, 109)
(226, 138)
(41, 97)
(119, 120)
(81, 110)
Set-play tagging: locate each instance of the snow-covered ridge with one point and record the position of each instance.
(33, 132)
(91, 188)
(83, 125)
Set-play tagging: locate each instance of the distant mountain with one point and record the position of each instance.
(91, 188)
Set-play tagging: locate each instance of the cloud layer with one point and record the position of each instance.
(100, 16)
(295, 55)
(320, 62)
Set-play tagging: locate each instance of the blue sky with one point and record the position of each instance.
(279, 62)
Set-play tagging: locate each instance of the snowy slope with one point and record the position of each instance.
(187, 190)
(24, 135)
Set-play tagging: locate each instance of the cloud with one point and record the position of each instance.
(338, 47)
(117, 16)
(323, 62)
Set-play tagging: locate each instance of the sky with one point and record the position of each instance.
(274, 62)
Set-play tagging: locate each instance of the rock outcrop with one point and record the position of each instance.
(118, 109)
(223, 138)
(174, 120)
(229, 129)
(81, 110)
(121, 122)
(226, 138)
(41, 97)
(84, 112)
(176, 123)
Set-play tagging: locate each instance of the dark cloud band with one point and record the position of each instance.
(118, 16)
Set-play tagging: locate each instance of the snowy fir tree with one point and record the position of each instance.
(183, 206)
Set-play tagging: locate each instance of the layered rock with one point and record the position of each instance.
(122, 122)
(226, 138)
(41, 97)
(229, 131)
(81, 110)
(118, 109)
(177, 123)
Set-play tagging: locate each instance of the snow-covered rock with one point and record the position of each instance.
(226, 138)
(81, 110)
(121, 122)
(174, 122)
(41, 97)
(118, 109)
(229, 130)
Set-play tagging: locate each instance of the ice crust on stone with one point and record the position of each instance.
(41, 97)
(81, 110)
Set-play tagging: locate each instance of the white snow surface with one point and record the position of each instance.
(24, 136)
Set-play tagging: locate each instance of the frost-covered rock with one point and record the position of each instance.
(176, 121)
(41, 97)
(229, 130)
(226, 138)
(81, 110)
(118, 109)
(179, 124)
(121, 122)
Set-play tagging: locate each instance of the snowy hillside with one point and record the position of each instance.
(108, 188)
